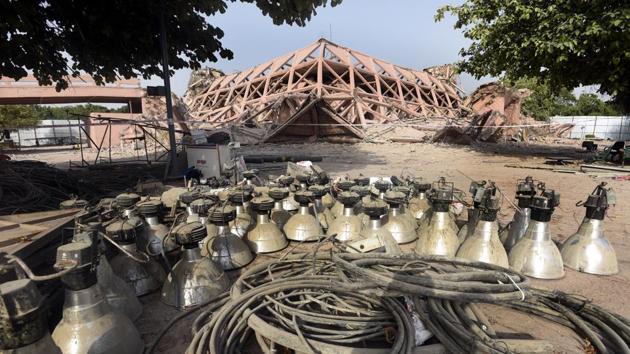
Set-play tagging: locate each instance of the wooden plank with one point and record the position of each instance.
(605, 168)
(44, 231)
(12, 233)
(341, 53)
(38, 217)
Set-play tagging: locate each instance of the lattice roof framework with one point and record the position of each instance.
(356, 87)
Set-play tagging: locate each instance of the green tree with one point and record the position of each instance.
(109, 39)
(589, 104)
(74, 112)
(544, 103)
(565, 43)
(16, 116)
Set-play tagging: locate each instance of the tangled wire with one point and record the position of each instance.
(342, 303)
(29, 186)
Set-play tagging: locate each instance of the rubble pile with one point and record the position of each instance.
(154, 108)
(497, 118)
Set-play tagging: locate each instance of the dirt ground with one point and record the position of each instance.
(458, 164)
(66, 157)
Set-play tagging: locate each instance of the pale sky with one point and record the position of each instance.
(399, 31)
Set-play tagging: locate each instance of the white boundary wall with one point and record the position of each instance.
(49, 132)
(603, 127)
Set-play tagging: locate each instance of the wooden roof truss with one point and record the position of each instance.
(356, 87)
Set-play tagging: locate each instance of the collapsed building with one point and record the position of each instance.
(323, 91)
(498, 116)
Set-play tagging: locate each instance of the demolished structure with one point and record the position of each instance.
(322, 91)
(498, 116)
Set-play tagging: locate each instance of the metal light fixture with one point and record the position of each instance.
(200, 208)
(439, 235)
(347, 226)
(588, 250)
(126, 200)
(364, 195)
(536, 255)
(375, 236)
(419, 205)
(227, 249)
(89, 324)
(323, 214)
(194, 279)
(344, 186)
(362, 181)
(403, 209)
(401, 228)
(266, 236)
(303, 180)
(126, 206)
(381, 187)
(137, 269)
(483, 242)
(289, 204)
(321, 178)
(147, 233)
(23, 317)
(249, 176)
(244, 221)
(186, 199)
(120, 295)
(156, 242)
(525, 190)
(476, 189)
(303, 226)
(279, 215)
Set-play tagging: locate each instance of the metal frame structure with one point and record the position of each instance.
(84, 136)
(108, 132)
(355, 87)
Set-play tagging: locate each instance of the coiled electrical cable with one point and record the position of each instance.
(313, 301)
(605, 331)
(436, 276)
(227, 329)
(304, 296)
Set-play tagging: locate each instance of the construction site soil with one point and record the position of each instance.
(458, 164)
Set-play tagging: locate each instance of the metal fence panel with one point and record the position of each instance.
(602, 127)
(50, 132)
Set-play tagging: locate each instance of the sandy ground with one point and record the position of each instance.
(458, 164)
(65, 157)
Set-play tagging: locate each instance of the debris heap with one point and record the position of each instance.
(498, 117)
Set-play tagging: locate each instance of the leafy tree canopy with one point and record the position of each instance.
(566, 43)
(109, 39)
(544, 103)
(16, 116)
